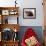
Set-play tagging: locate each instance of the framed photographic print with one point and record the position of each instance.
(5, 12)
(5, 20)
(6, 34)
(29, 13)
(13, 12)
(10, 20)
(13, 20)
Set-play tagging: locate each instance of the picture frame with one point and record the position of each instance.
(13, 12)
(10, 20)
(29, 13)
(5, 20)
(6, 34)
(5, 12)
(13, 20)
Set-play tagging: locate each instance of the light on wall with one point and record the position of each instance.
(15, 3)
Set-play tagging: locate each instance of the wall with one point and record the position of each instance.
(27, 4)
(39, 13)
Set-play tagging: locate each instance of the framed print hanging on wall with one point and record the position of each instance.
(29, 13)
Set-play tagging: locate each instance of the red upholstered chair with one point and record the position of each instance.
(28, 34)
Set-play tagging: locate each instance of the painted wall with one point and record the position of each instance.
(27, 4)
(39, 13)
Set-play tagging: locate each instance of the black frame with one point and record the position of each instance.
(33, 17)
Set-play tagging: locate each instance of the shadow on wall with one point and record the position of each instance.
(37, 29)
